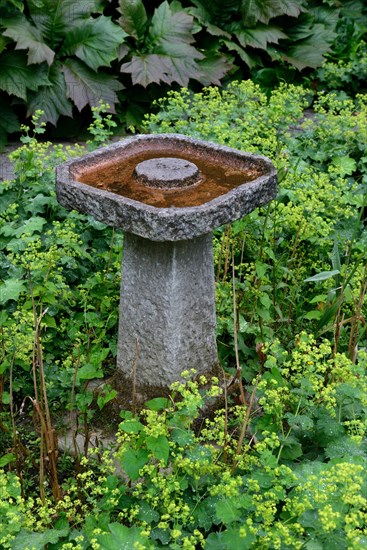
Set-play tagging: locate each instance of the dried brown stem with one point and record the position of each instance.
(245, 425)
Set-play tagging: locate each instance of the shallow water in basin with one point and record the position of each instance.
(217, 177)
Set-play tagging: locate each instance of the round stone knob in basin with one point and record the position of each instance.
(167, 192)
(167, 173)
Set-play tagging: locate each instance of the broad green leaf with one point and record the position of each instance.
(205, 511)
(314, 314)
(345, 165)
(133, 17)
(98, 355)
(229, 539)
(158, 403)
(335, 256)
(30, 226)
(319, 298)
(265, 300)
(261, 268)
(94, 42)
(88, 372)
(227, 510)
(122, 538)
(105, 398)
(57, 16)
(181, 69)
(214, 68)
(323, 276)
(150, 68)
(132, 462)
(299, 420)
(170, 56)
(16, 76)
(6, 459)
(344, 447)
(147, 68)
(170, 33)
(201, 15)
(182, 437)
(260, 36)
(84, 400)
(28, 37)
(310, 51)
(250, 60)
(328, 315)
(52, 99)
(38, 204)
(314, 545)
(291, 449)
(86, 87)
(264, 10)
(219, 11)
(5, 397)
(11, 289)
(131, 426)
(146, 513)
(37, 541)
(159, 446)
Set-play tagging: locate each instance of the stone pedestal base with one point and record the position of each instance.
(167, 309)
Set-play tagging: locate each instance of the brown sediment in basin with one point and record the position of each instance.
(218, 175)
(103, 184)
(167, 307)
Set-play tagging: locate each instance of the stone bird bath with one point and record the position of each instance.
(167, 192)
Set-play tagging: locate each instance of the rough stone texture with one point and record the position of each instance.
(167, 307)
(167, 173)
(164, 224)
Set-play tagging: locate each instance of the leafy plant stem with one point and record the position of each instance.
(288, 433)
(262, 242)
(245, 424)
(225, 429)
(291, 260)
(235, 334)
(48, 436)
(338, 320)
(357, 318)
(16, 445)
(73, 414)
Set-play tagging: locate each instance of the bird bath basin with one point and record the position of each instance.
(167, 192)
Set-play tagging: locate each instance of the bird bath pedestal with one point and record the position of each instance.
(168, 192)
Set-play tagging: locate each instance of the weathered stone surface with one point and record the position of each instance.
(165, 224)
(167, 173)
(167, 309)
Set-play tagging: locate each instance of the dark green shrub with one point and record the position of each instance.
(63, 57)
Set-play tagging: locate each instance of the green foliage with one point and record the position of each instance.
(62, 49)
(164, 52)
(345, 67)
(53, 262)
(280, 465)
(321, 199)
(202, 488)
(264, 35)
(62, 57)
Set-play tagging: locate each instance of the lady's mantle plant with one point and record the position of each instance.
(280, 465)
